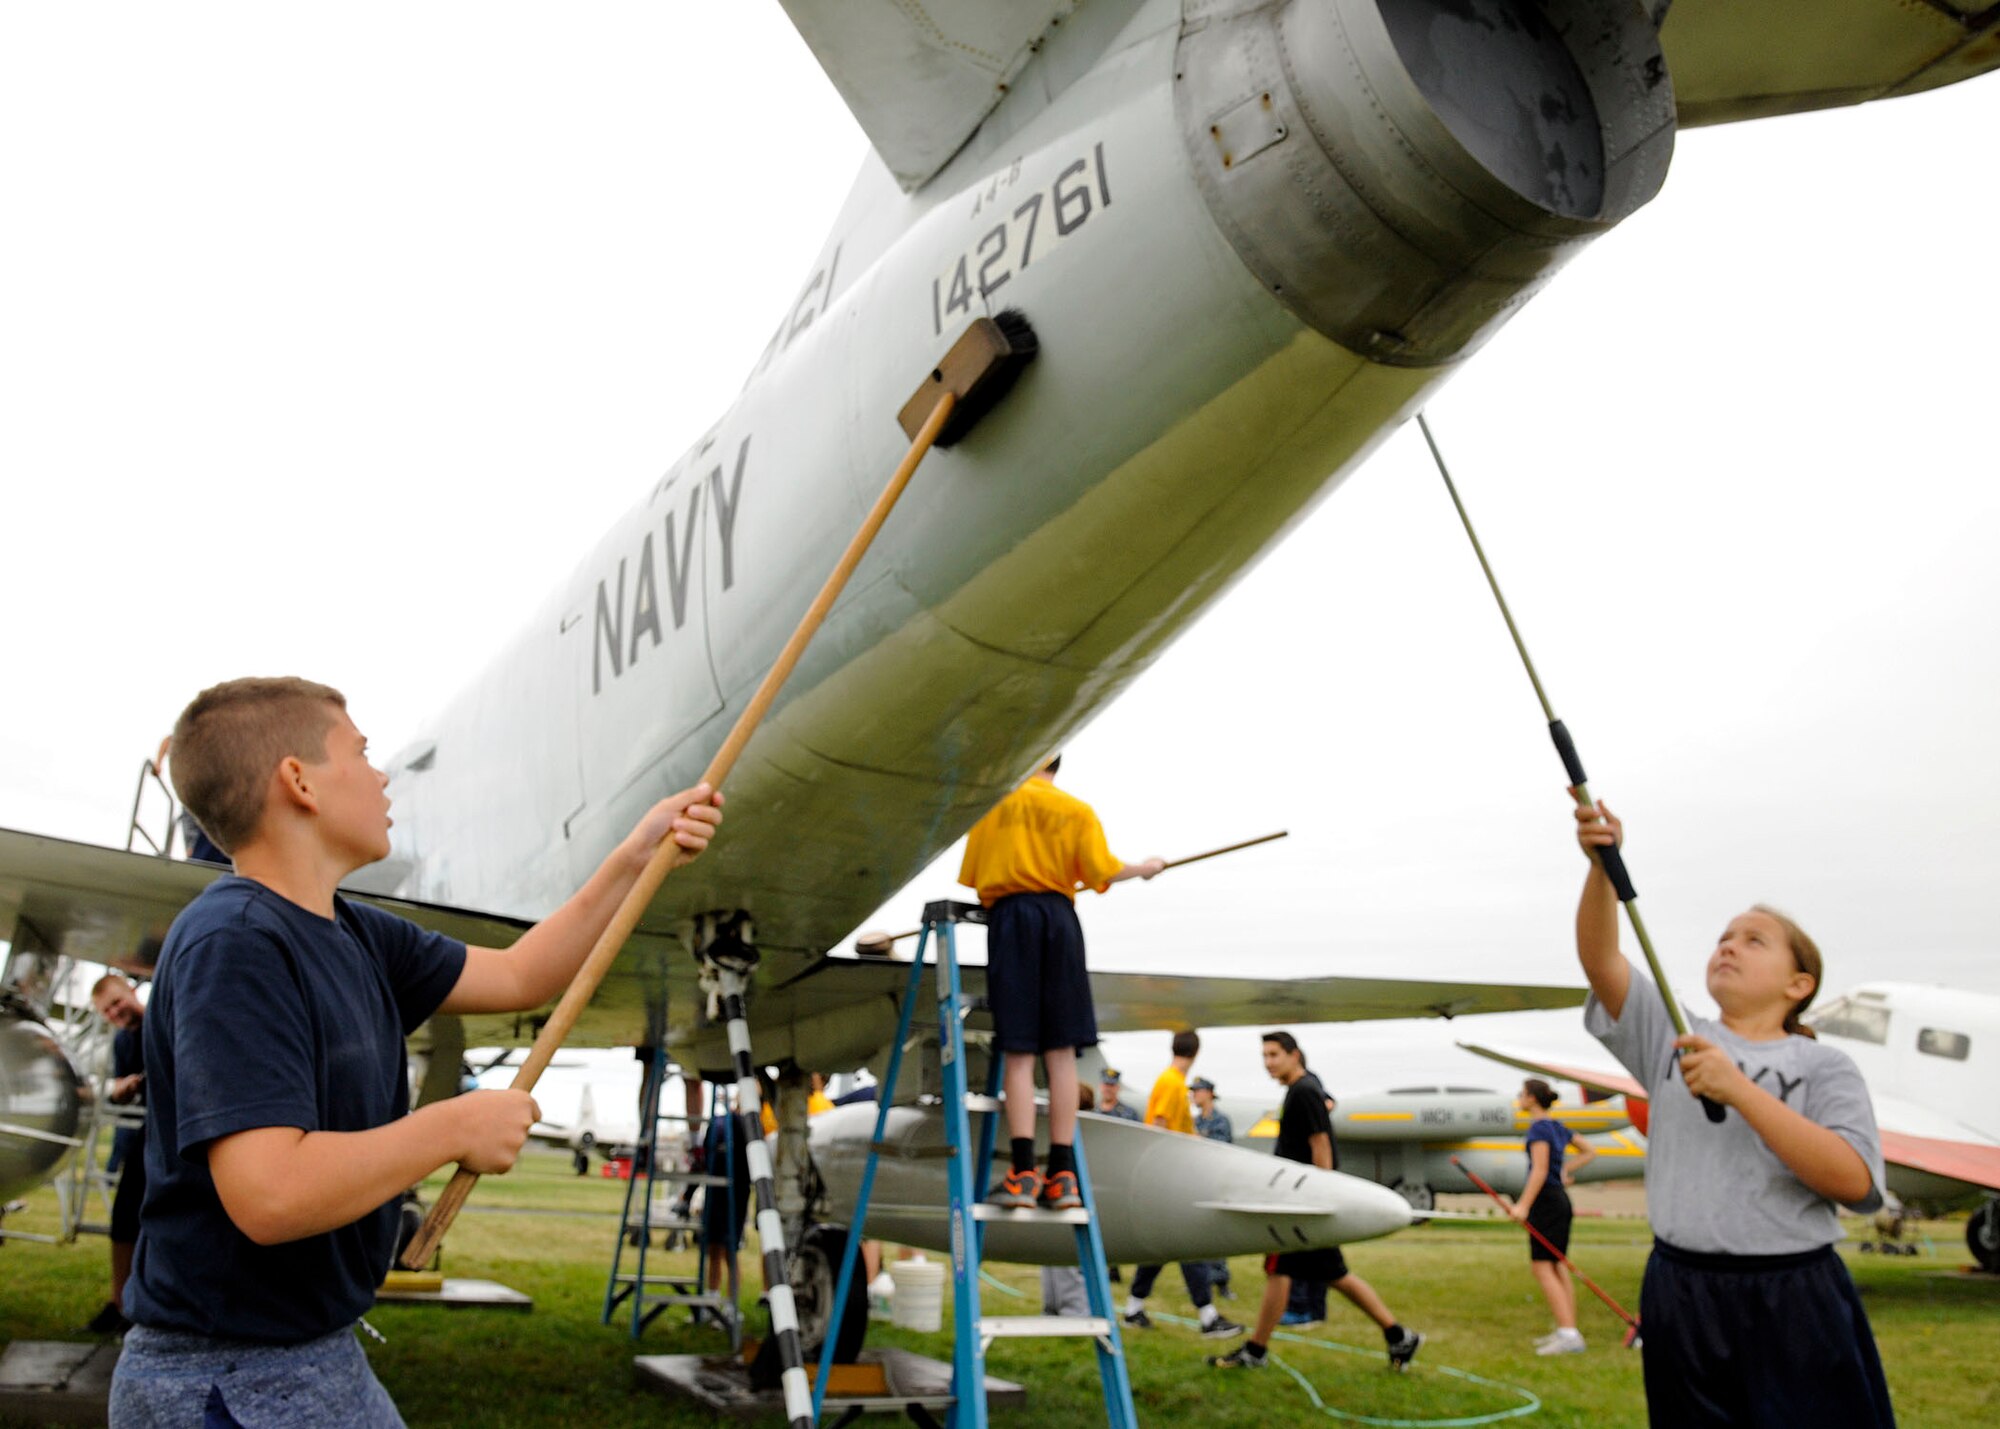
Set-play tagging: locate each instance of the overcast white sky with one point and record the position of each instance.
(330, 338)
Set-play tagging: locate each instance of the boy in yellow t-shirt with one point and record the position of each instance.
(1169, 1109)
(1027, 858)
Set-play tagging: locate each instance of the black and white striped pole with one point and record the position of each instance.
(726, 978)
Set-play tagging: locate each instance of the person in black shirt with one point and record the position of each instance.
(279, 1132)
(1305, 1135)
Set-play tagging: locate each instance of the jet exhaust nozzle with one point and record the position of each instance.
(1403, 174)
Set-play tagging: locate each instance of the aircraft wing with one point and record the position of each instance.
(1913, 1136)
(102, 904)
(1975, 1163)
(1597, 1079)
(919, 78)
(1170, 1002)
(97, 904)
(1134, 1002)
(1745, 59)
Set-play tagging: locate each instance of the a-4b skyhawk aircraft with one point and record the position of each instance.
(1252, 239)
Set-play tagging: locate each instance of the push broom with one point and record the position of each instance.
(970, 379)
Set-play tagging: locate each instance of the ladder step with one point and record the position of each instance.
(711, 1302)
(1012, 1327)
(976, 1102)
(986, 1211)
(913, 1153)
(690, 1178)
(627, 1278)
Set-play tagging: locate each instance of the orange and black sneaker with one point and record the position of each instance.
(1060, 1192)
(1019, 1191)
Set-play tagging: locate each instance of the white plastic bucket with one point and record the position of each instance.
(919, 1302)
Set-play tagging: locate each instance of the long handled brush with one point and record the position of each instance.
(961, 389)
(1226, 848)
(876, 944)
(1608, 854)
(1631, 1320)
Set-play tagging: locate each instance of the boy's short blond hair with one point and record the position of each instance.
(227, 742)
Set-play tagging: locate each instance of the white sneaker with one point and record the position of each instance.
(1550, 1338)
(1563, 1342)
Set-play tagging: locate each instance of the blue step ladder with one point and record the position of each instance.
(970, 1165)
(646, 1293)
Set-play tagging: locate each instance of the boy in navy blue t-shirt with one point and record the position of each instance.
(279, 1129)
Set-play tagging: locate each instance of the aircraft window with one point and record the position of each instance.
(1939, 1043)
(1845, 1017)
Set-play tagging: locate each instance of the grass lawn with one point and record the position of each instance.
(549, 1233)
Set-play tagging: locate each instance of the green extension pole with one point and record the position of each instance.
(1608, 854)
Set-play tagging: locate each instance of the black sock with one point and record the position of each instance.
(1253, 1350)
(1061, 1158)
(1023, 1148)
(1393, 1334)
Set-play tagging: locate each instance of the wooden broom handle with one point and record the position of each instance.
(1226, 848)
(668, 855)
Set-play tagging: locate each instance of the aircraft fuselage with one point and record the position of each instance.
(1187, 406)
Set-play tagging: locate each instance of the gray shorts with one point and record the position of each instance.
(169, 1380)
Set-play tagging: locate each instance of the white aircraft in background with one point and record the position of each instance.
(1253, 239)
(1405, 1139)
(1931, 1058)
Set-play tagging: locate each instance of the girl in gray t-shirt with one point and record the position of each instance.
(1750, 1318)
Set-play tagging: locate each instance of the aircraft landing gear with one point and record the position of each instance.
(725, 950)
(1982, 1237)
(815, 1270)
(1417, 1193)
(1890, 1222)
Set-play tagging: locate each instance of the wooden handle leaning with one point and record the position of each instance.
(753, 713)
(668, 855)
(1226, 848)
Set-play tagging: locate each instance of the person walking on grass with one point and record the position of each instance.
(1544, 1204)
(1212, 1122)
(1305, 1135)
(1168, 1108)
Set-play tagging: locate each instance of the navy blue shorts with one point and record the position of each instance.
(1753, 1340)
(722, 1216)
(130, 1195)
(1318, 1267)
(1551, 1215)
(1035, 978)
